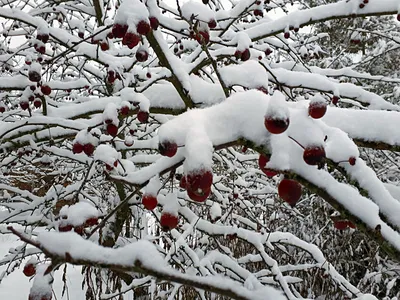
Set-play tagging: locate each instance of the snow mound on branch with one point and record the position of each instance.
(106, 154)
(79, 248)
(277, 108)
(131, 11)
(249, 74)
(198, 10)
(199, 149)
(77, 214)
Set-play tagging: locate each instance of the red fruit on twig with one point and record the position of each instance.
(314, 155)
(262, 161)
(167, 148)
(143, 27)
(199, 181)
(290, 191)
(149, 201)
(168, 221)
(112, 129)
(198, 196)
(77, 148)
(276, 126)
(340, 224)
(29, 270)
(88, 149)
(317, 110)
(46, 90)
(143, 116)
(37, 103)
(154, 23)
(119, 30)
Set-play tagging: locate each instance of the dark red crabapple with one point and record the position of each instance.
(143, 116)
(143, 27)
(182, 183)
(198, 196)
(290, 191)
(29, 270)
(352, 161)
(168, 221)
(154, 23)
(37, 103)
(276, 126)
(149, 201)
(88, 149)
(142, 55)
(199, 180)
(212, 23)
(24, 105)
(314, 155)
(119, 30)
(77, 148)
(112, 129)
(167, 148)
(262, 161)
(46, 90)
(317, 110)
(340, 224)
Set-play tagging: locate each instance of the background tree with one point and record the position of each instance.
(202, 149)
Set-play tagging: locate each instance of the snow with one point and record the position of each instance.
(77, 214)
(249, 74)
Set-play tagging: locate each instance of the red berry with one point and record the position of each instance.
(262, 161)
(142, 55)
(167, 148)
(276, 126)
(65, 228)
(149, 201)
(29, 270)
(317, 110)
(362, 5)
(119, 30)
(154, 23)
(182, 183)
(37, 103)
(131, 40)
(168, 221)
(104, 46)
(198, 196)
(352, 161)
(290, 191)
(77, 148)
(268, 51)
(34, 76)
(2, 109)
(24, 105)
(143, 116)
(258, 12)
(88, 149)
(46, 90)
(335, 100)
(199, 181)
(143, 27)
(314, 155)
(245, 55)
(351, 225)
(81, 34)
(286, 35)
(91, 221)
(212, 23)
(340, 224)
(112, 129)
(124, 110)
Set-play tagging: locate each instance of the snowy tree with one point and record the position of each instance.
(202, 149)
